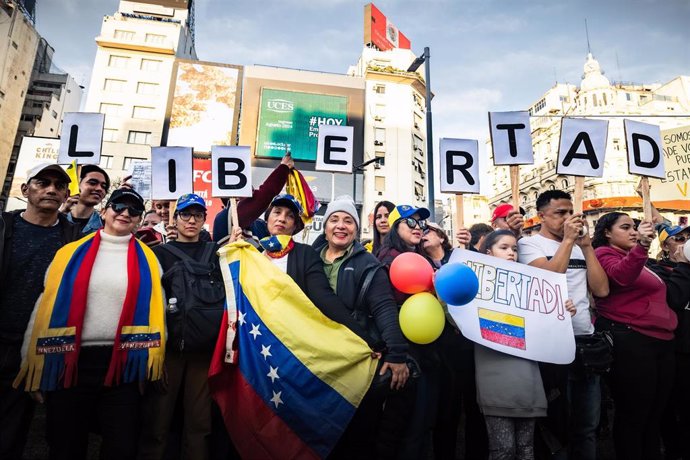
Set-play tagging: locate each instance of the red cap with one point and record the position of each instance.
(502, 210)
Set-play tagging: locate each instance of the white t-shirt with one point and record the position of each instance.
(536, 247)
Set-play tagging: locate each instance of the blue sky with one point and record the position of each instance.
(485, 54)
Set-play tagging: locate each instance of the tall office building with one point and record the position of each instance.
(131, 77)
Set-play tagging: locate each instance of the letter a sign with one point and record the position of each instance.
(230, 167)
(81, 137)
(582, 147)
(459, 165)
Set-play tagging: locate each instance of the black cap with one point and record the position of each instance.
(85, 169)
(122, 193)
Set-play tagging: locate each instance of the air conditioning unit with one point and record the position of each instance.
(378, 143)
(377, 118)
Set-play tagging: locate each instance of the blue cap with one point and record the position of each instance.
(190, 199)
(404, 211)
(285, 199)
(667, 230)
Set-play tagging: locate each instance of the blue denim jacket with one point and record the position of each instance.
(92, 225)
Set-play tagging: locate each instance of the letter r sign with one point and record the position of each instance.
(459, 165)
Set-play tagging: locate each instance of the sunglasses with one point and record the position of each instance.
(186, 215)
(412, 223)
(119, 208)
(680, 238)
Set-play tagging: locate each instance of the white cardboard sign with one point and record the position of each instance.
(335, 148)
(171, 172)
(140, 171)
(644, 145)
(511, 138)
(81, 138)
(519, 309)
(582, 147)
(231, 171)
(459, 165)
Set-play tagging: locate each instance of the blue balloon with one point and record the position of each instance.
(456, 284)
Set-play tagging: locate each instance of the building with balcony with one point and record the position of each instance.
(612, 101)
(130, 82)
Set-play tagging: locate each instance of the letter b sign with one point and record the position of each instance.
(231, 171)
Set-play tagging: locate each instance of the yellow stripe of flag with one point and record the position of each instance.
(499, 317)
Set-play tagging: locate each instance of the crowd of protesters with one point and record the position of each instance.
(85, 277)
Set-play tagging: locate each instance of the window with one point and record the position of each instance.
(380, 184)
(379, 112)
(628, 97)
(564, 184)
(116, 86)
(417, 145)
(594, 100)
(120, 62)
(379, 136)
(147, 88)
(604, 96)
(106, 162)
(144, 113)
(124, 34)
(382, 155)
(128, 162)
(155, 38)
(109, 135)
(417, 121)
(54, 113)
(110, 109)
(150, 65)
(380, 89)
(139, 137)
(419, 191)
(539, 105)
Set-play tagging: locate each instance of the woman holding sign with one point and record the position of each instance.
(637, 315)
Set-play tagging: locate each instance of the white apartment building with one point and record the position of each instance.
(596, 96)
(394, 130)
(131, 77)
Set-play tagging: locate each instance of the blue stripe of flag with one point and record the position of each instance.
(502, 328)
(311, 408)
(143, 305)
(63, 299)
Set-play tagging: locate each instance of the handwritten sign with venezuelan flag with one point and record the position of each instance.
(518, 310)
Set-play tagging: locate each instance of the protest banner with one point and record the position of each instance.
(81, 137)
(511, 140)
(518, 310)
(140, 170)
(672, 191)
(643, 142)
(172, 174)
(231, 175)
(459, 171)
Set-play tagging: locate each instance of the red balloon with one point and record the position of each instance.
(411, 273)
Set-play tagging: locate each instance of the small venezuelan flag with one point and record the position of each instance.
(503, 328)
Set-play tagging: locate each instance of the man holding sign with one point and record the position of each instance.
(558, 247)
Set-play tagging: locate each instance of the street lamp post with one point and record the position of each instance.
(361, 167)
(426, 57)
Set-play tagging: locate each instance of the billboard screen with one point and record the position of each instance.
(205, 105)
(381, 32)
(291, 120)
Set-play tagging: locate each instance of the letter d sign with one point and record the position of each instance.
(231, 171)
(644, 149)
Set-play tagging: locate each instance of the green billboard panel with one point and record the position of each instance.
(290, 120)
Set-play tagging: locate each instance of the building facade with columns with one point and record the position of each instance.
(595, 97)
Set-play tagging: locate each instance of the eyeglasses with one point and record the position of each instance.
(119, 208)
(186, 215)
(412, 223)
(45, 183)
(680, 238)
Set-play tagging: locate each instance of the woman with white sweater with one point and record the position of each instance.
(96, 335)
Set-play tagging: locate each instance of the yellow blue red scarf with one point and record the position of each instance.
(277, 246)
(139, 348)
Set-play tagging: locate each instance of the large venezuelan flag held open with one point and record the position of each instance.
(296, 377)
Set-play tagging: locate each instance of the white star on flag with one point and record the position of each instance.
(276, 398)
(266, 351)
(255, 330)
(273, 374)
(271, 244)
(240, 318)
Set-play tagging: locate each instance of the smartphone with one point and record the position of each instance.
(149, 236)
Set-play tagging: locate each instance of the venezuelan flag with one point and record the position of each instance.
(298, 376)
(503, 328)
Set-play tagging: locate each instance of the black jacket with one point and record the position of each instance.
(677, 279)
(306, 269)
(378, 312)
(70, 232)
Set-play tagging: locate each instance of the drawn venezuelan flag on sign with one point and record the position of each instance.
(502, 328)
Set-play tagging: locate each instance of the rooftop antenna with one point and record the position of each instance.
(618, 67)
(589, 49)
(555, 75)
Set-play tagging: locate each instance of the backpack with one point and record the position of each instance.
(195, 323)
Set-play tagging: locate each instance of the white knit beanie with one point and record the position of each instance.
(343, 203)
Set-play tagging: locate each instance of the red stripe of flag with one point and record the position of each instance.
(507, 340)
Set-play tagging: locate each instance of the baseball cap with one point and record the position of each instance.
(123, 193)
(36, 170)
(434, 226)
(190, 199)
(404, 211)
(85, 169)
(501, 211)
(669, 230)
(289, 201)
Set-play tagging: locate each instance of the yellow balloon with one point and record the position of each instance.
(422, 318)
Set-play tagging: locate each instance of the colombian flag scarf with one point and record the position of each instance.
(139, 348)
